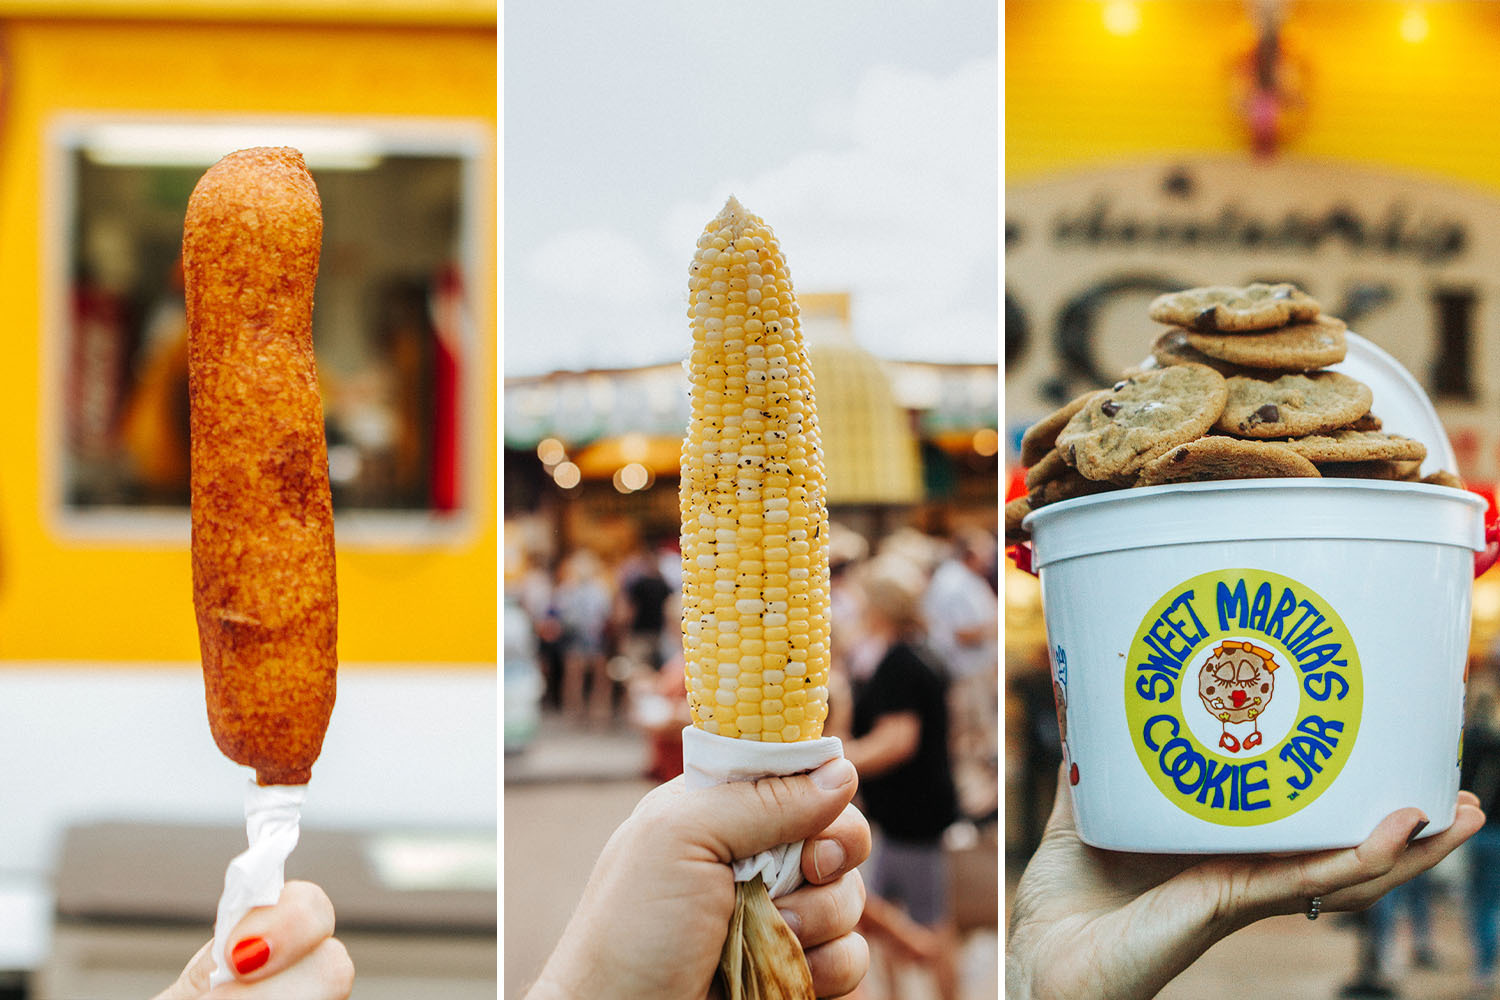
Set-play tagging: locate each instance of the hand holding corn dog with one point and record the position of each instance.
(286, 950)
(262, 516)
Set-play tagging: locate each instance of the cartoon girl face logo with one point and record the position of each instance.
(1236, 684)
(1216, 734)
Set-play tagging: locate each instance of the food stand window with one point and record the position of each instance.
(391, 326)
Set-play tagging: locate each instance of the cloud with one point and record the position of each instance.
(898, 205)
(617, 267)
(603, 306)
(905, 217)
(943, 127)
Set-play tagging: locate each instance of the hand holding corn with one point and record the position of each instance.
(755, 592)
(650, 923)
(652, 920)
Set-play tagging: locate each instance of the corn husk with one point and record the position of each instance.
(762, 958)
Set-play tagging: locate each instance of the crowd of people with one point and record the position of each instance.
(913, 696)
(601, 626)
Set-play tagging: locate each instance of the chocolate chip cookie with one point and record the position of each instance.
(1067, 484)
(1140, 418)
(1212, 458)
(1300, 347)
(1228, 308)
(1049, 466)
(1357, 446)
(1042, 435)
(1172, 348)
(1015, 512)
(1443, 477)
(1053, 479)
(1292, 405)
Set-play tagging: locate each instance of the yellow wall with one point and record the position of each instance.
(1077, 95)
(430, 12)
(72, 600)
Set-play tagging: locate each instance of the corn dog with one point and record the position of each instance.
(262, 516)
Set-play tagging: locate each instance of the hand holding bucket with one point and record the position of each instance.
(1357, 591)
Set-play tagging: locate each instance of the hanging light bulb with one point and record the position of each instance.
(1414, 25)
(1122, 17)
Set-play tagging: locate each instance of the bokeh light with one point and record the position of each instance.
(634, 476)
(550, 451)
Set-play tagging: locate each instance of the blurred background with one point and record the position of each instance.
(118, 815)
(867, 139)
(1349, 146)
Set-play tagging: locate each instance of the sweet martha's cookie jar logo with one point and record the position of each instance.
(1243, 696)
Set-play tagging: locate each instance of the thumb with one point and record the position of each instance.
(193, 982)
(741, 818)
(1062, 805)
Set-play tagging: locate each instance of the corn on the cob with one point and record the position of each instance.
(755, 599)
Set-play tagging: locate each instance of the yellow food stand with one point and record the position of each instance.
(85, 86)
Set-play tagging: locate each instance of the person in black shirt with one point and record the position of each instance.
(640, 610)
(1480, 773)
(899, 744)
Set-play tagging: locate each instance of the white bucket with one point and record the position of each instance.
(1342, 605)
(1359, 591)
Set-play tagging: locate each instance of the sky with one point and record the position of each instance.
(865, 134)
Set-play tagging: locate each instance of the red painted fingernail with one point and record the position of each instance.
(249, 955)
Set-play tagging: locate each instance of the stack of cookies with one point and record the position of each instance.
(1240, 392)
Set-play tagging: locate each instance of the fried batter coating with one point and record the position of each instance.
(262, 543)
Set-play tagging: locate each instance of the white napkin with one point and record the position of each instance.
(273, 817)
(712, 760)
